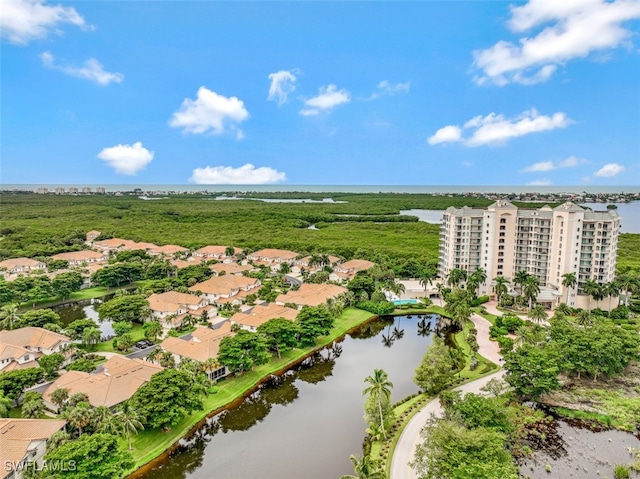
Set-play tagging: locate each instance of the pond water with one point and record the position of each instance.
(307, 423)
(588, 454)
(85, 310)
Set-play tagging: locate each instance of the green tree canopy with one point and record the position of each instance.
(131, 307)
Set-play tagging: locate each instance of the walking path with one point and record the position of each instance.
(406, 446)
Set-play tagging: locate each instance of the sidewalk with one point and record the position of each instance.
(410, 438)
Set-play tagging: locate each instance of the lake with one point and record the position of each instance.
(307, 423)
(630, 213)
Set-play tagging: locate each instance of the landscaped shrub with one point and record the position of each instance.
(621, 312)
(506, 344)
(380, 308)
(495, 332)
(479, 300)
(511, 322)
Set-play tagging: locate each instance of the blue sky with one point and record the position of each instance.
(389, 93)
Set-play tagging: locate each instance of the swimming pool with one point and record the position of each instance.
(398, 302)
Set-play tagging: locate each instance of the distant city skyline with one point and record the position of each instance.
(534, 93)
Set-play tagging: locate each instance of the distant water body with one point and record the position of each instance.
(505, 189)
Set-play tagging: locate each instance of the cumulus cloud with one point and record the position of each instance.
(244, 175)
(572, 29)
(494, 129)
(24, 20)
(543, 182)
(609, 170)
(282, 83)
(447, 134)
(210, 111)
(91, 70)
(127, 159)
(569, 162)
(328, 98)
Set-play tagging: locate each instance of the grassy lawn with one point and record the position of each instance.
(488, 316)
(150, 444)
(89, 293)
(484, 365)
(137, 333)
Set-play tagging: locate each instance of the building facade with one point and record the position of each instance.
(545, 242)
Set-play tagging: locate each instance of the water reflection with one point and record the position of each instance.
(87, 309)
(306, 422)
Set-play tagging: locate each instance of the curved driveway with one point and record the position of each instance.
(410, 438)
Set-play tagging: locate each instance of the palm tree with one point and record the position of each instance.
(456, 276)
(285, 268)
(210, 366)
(11, 316)
(78, 416)
(229, 251)
(520, 279)
(501, 287)
(153, 355)
(531, 289)
(610, 290)
(91, 336)
(33, 405)
(584, 318)
(152, 329)
(563, 309)
(426, 278)
(364, 468)
(537, 314)
(379, 390)
(569, 281)
(189, 320)
(130, 420)
(59, 396)
(591, 289)
(477, 278)
(627, 283)
(100, 416)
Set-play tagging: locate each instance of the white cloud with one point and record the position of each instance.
(569, 162)
(496, 129)
(544, 182)
(24, 20)
(447, 134)
(609, 170)
(282, 83)
(92, 70)
(328, 98)
(387, 88)
(243, 175)
(127, 159)
(574, 29)
(210, 111)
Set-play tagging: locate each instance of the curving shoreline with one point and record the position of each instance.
(144, 464)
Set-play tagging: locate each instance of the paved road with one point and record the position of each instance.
(410, 438)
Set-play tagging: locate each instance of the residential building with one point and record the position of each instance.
(21, 348)
(22, 265)
(311, 295)
(230, 268)
(135, 245)
(214, 252)
(203, 344)
(92, 235)
(101, 190)
(260, 314)
(42, 191)
(118, 380)
(225, 287)
(112, 244)
(168, 250)
(273, 257)
(348, 269)
(59, 191)
(73, 191)
(171, 307)
(77, 258)
(546, 242)
(23, 443)
(301, 264)
(86, 190)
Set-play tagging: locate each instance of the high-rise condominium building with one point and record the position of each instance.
(546, 242)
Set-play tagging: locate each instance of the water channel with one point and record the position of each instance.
(307, 423)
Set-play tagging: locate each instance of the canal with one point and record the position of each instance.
(308, 422)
